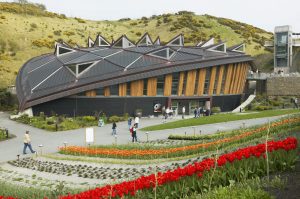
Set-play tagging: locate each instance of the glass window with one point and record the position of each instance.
(216, 80)
(145, 87)
(207, 79)
(175, 80)
(114, 89)
(128, 89)
(100, 91)
(72, 68)
(160, 85)
(82, 67)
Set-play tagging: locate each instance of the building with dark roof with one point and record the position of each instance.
(122, 77)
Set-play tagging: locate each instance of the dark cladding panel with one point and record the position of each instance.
(124, 58)
(227, 102)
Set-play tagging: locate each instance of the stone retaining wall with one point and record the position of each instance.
(283, 86)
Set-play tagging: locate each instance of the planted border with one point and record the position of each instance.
(282, 154)
(175, 151)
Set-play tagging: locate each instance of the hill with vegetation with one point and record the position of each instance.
(28, 30)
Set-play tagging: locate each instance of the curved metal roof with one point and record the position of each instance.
(50, 77)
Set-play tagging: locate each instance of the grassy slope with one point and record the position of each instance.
(218, 118)
(16, 30)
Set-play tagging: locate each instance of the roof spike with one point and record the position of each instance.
(221, 47)
(101, 41)
(123, 42)
(145, 40)
(157, 41)
(209, 42)
(241, 48)
(90, 42)
(176, 41)
(62, 48)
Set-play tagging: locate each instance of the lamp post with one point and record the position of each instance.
(116, 139)
(65, 144)
(41, 149)
(147, 134)
(194, 130)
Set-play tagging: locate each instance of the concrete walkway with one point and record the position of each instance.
(9, 149)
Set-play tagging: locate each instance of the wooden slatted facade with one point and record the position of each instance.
(212, 80)
(136, 88)
(168, 85)
(220, 79)
(151, 86)
(233, 82)
(190, 83)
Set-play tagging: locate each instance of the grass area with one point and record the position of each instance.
(22, 192)
(219, 118)
(24, 36)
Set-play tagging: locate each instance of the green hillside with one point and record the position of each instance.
(29, 30)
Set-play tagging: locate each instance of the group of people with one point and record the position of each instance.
(132, 126)
(199, 111)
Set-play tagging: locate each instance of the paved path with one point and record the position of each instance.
(9, 149)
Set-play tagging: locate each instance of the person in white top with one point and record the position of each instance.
(136, 121)
(183, 112)
(27, 143)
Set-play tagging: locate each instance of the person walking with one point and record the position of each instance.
(134, 137)
(129, 122)
(183, 112)
(195, 112)
(114, 128)
(296, 103)
(27, 143)
(136, 121)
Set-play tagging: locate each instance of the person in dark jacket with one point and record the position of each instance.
(134, 137)
(114, 129)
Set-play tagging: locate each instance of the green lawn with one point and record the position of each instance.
(219, 118)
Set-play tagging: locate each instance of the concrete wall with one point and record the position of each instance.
(283, 86)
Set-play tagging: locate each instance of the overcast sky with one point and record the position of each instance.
(265, 14)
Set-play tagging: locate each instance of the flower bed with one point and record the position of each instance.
(281, 157)
(168, 152)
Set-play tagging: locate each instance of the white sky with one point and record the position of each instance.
(265, 14)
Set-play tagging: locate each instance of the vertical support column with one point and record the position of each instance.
(122, 89)
(220, 79)
(237, 79)
(212, 80)
(168, 85)
(201, 81)
(152, 86)
(106, 91)
(228, 79)
(246, 66)
(180, 83)
(136, 88)
(190, 83)
(233, 77)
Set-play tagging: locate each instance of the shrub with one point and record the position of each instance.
(57, 32)
(133, 24)
(138, 34)
(114, 118)
(262, 108)
(88, 118)
(69, 33)
(33, 25)
(79, 20)
(43, 43)
(216, 109)
(124, 19)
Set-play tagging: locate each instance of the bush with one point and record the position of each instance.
(115, 118)
(80, 20)
(262, 108)
(89, 118)
(216, 109)
(138, 34)
(33, 25)
(43, 43)
(57, 32)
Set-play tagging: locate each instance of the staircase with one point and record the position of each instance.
(244, 104)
